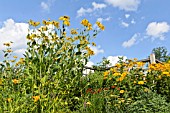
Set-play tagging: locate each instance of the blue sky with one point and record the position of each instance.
(133, 27)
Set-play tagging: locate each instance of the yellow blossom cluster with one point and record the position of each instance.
(101, 26)
(87, 24)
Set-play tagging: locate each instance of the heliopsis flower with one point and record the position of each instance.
(15, 57)
(165, 73)
(9, 50)
(88, 103)
(141, 82)
(85, 22)
(15, 81)
(93, 44)
(122, 91)
(56, 24)
(101, 26)
(7, 44)
(67, 23)
(9, 99)
(36, 98)
(74, 32)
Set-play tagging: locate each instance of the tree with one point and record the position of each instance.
(161, 53)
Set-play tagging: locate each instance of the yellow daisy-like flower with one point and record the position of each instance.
(140, 82)
(56, 24)
(93, 44)
(85, 22)
(15, 57)
(9, 50)
(64, 18)
(165, 73)
(100, 25)
(122, 91)
(15, 81)
(0, 81)
(88, 103)
(9, 99)
(36, 98)
(67, 23)
(31, 22)
(7, 44)
(74, 32)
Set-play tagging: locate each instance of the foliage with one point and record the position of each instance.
(161, 54)
(50, 77)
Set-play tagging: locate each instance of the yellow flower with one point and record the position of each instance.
(67, 23)
(56, 24)
(15, 81)
(116, 74)
(0, 81)
(9, 50)
(15, 57)
(85, 22)
(134, 82)
(101, 26)
(31, 22)
(165, 73)
(7, 44)
(36, 98)
(9, 99)
(74, 32)
(88, 103)
(141, 82)
(93, 44)
(64, 18)
(122, 91)
(120, 79)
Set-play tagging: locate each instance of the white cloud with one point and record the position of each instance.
(47, 5)
(82, 11)
(98, 6)
(127, 5)
(97, 49)
(20, 52)
(157, 30)
(133, 21)
(103, 19)
(124, 24)
(131, 41)
(114, 59)
(127, 15)
(15, 32)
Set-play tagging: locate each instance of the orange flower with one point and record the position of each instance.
(36, 98)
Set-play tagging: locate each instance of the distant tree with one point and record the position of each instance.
(161, 53)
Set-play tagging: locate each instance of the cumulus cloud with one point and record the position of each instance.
(15, 32)
(103, 19)
(124, 24)
(47, 5)
(114, 59)
(157, 29)
(127, 5)
(127, 15)
(131, 41)
(97, 49)
(96, 6)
